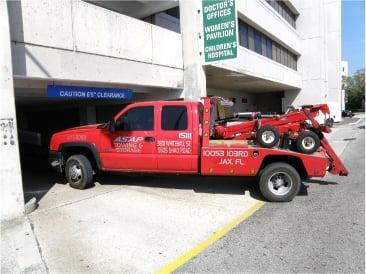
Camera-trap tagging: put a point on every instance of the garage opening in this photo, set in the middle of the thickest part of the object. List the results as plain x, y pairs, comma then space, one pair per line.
38, 118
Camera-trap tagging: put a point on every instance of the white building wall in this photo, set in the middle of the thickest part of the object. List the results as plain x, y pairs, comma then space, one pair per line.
319, 26
344, 66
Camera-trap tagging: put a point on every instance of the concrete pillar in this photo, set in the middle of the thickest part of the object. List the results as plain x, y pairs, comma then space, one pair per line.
12, 201
194, 74
88, 115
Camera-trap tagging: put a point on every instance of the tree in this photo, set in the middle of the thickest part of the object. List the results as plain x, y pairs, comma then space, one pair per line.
355, 90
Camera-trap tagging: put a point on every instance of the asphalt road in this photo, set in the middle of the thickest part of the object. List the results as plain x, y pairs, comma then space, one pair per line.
321, 230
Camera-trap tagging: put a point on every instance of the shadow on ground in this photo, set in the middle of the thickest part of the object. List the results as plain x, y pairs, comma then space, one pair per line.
200, 184
38, 179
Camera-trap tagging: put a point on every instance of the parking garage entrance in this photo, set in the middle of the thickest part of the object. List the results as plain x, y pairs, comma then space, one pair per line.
38, 118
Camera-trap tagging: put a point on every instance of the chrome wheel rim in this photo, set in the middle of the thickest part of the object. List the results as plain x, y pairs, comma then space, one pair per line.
75, 173
308, 143
268, 137
280, 183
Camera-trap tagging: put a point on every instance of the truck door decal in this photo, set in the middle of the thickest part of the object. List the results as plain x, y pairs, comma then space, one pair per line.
125, 144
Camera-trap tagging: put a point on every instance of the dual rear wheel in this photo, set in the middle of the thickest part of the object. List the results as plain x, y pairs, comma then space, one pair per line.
307, 142
279, 182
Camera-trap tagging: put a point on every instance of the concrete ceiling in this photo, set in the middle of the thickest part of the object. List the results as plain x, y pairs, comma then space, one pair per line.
138, 8
219, 78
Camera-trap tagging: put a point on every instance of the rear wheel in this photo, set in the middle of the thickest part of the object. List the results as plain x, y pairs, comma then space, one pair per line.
307, 142
267, 136
279, 182
79, 172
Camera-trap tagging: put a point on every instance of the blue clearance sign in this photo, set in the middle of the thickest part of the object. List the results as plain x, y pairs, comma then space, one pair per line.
74, 92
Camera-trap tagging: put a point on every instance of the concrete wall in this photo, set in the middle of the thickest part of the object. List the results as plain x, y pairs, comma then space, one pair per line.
260, 101
76, 40
11, 201
238, 106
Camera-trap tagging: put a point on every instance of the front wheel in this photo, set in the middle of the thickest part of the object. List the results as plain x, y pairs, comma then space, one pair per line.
79, 172
279, 182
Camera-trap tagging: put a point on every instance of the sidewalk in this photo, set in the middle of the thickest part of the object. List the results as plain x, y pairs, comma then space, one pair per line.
124, 224
19, 248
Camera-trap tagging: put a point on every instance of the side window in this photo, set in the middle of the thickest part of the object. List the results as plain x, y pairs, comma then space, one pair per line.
174, 118
138, 118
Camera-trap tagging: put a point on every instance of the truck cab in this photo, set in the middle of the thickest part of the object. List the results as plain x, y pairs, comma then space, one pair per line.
142, 137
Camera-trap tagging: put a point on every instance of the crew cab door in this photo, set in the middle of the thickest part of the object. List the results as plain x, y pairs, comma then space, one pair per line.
132, 146
174, 139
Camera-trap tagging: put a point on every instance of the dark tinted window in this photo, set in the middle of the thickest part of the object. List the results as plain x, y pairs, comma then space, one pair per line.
257, 42
284, 11
254, 40
174, 118
269, 49
138, 118
243, 34
251, 38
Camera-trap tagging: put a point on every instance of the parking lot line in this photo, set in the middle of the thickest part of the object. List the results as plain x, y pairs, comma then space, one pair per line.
205, 244
355, 123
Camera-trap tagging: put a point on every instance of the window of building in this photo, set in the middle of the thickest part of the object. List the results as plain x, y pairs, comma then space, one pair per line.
278, 57
138, 118
264, 45
243, 35
174, 118
269, 49
283, 10
173, 12
256, 41
283, 56
251, 38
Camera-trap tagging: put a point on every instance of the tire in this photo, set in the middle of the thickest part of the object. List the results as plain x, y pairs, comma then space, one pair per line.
279, 182
307, 142
267, 136
79, 172
329, 122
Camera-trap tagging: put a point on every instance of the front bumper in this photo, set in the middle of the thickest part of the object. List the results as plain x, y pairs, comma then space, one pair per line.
55, 160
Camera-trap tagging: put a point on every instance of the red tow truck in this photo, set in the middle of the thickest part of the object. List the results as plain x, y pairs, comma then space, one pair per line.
181, 137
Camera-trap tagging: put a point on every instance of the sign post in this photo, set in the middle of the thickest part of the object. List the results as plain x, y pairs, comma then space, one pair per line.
219, 30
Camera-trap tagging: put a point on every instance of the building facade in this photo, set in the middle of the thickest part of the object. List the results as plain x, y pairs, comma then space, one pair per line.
289, 54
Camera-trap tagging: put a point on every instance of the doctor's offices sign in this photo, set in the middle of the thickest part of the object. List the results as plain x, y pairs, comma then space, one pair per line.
219, 30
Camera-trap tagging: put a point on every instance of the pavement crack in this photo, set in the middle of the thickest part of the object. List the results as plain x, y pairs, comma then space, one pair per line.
38, 245
74, 202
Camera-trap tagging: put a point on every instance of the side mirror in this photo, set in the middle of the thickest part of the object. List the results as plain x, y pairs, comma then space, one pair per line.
112, 125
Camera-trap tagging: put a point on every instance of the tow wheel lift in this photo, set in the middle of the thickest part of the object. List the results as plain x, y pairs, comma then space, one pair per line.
297, 125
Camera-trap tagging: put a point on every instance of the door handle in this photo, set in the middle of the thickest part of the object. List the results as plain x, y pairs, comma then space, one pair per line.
149, 139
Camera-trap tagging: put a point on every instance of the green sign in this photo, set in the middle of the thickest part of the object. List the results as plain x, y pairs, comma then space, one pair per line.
219, 29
